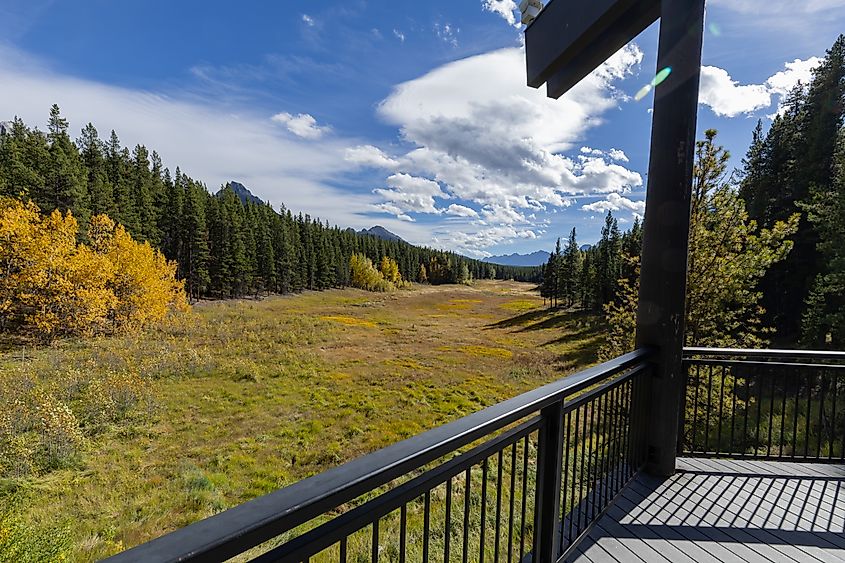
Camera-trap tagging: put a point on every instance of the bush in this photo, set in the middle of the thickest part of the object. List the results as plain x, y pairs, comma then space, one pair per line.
364, 275
54, 286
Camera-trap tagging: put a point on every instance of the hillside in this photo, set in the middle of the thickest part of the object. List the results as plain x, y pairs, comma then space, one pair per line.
537, 258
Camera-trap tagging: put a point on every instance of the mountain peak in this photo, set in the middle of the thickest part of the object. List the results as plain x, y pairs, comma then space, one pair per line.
380, 232
244, 194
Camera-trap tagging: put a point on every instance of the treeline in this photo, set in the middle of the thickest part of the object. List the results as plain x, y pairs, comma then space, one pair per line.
591, 278
767, 242
798, 166
224, 247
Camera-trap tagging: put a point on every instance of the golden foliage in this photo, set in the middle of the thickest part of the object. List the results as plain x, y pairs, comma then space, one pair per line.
52, 285
365, 276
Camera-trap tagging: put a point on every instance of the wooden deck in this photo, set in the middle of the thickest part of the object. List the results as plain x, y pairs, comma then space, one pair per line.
725, 511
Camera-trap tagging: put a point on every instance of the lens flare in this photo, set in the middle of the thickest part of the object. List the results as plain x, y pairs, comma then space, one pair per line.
661, 76
656, 81
715, 29
643, 92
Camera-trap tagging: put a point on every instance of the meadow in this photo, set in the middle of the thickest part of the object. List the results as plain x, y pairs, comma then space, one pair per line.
239, 398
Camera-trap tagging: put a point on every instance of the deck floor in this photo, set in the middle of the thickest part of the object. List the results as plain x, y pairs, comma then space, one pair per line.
728, 511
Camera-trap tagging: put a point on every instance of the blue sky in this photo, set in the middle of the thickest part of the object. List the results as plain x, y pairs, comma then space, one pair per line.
412, 115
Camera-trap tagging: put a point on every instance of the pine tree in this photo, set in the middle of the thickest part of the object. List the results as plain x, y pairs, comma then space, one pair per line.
65, 178
100, 191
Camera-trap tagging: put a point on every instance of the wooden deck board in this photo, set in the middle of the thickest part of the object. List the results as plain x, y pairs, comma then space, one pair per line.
725, 511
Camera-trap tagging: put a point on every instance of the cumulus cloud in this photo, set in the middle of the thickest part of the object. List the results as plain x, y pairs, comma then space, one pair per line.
308, 20
477, 130
461, 211
369, 156
408, 193
399, 35
615, 202
504, 8
302, 125
728, 98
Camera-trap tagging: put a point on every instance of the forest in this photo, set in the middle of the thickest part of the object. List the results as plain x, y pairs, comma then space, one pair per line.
224, 246
767, 240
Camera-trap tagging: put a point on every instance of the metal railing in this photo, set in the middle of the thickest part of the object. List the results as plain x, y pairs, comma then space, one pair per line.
783, 405
541, 468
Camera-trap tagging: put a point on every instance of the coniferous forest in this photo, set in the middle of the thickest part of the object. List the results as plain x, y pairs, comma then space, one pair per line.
224, 246
767, 242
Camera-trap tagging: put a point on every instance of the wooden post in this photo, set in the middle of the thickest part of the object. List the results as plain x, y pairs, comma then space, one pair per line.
660, 316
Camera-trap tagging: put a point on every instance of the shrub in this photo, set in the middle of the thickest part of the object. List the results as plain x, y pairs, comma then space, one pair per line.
52, 285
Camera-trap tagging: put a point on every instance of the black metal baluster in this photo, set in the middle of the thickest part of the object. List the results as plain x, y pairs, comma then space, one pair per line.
721, 413
468, 479
426, 525
524, 498
512, 500
771, 415
584, 454
604, 450
822, 387
807, 418
574, 473
374, 558
709, 407
447, 535
597, 407
498, 509
483, 510
403, 531
592, 407
733, 446
342, 558
783, 414
795, 415
759, 414
745, 422
567, 421
835, 383
694, 428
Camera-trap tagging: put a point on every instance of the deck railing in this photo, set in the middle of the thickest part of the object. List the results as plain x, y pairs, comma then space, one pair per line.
523, 480
784, 405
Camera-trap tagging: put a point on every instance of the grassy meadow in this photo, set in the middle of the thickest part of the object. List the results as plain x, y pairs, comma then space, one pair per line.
240, 398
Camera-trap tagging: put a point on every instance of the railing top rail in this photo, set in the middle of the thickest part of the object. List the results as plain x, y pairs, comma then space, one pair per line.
233, 531
772, 354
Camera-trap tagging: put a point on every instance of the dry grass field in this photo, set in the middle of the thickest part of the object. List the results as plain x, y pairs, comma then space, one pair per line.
244, 397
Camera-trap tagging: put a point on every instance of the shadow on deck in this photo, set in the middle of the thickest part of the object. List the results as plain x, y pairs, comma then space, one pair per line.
720, 510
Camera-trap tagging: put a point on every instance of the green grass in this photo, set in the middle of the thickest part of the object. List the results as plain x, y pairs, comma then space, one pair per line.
246, 397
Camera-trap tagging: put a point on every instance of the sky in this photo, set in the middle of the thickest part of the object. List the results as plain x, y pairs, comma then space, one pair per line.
411, 115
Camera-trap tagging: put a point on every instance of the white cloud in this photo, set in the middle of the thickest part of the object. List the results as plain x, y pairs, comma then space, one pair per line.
399, 35
408, 193
210, 142
728, 98
308, 20
487, 140
302, 125
461, 211
796, 71
369, 156
617, 154
615, 202
504, 8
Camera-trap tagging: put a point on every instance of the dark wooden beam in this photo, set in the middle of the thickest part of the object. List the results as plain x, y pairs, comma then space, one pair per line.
662, 298
630, 24
573, 37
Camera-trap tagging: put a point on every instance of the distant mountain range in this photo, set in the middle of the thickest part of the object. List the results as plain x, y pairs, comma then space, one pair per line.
534, 259
380, 232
